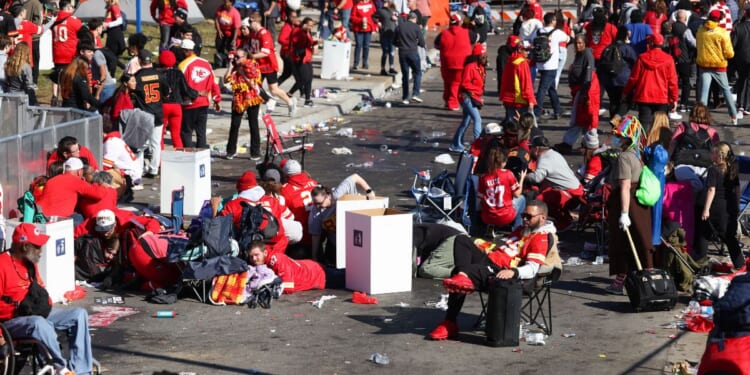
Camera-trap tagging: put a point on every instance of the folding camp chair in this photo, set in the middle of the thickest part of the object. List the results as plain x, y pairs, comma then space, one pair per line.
743, 219
447, 193
275, 147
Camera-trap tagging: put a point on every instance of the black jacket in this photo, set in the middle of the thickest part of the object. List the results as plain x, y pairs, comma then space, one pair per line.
408, 38
177, 87
741, 42
80, 95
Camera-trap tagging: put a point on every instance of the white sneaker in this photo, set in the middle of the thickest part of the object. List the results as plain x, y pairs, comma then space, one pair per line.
293, 107
137, 187
405, 102
734, 120
416, 99
602, 111
675, 116
270, 105
740, 115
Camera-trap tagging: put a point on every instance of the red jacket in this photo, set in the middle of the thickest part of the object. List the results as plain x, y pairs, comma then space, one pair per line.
652, 73
302, 39
363, 10
165, 15
200, 77
121, 101
516, 86
90, 207
276, 245
62, 192
124, 220
455, 47
599, 40
65, 38
262, 42
472, 80
13, 285
531, 248
285, 39
84, 153
297, 275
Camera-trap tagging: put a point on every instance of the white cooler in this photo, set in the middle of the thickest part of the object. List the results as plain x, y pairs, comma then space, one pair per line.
379, 250
57, 265
335, 64
191, 169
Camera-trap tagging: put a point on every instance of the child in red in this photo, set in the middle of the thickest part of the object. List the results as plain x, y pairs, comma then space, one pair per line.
500, 192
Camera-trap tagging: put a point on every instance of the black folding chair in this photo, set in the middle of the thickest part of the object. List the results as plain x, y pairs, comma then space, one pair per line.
447, 192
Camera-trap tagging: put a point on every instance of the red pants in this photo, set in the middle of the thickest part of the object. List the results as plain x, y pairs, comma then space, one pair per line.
451, 83
173, 120
158, 272
559, 203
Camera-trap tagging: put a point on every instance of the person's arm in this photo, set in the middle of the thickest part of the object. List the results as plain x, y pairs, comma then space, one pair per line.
625, 194
217, 16
689, 38
537, 176
152, 9
519, 189
726, 46
362, 184
183, 87
710, 194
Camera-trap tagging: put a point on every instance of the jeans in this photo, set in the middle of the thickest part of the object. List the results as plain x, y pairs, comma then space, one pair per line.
363, 47
510, 112
194, 120
646, 113
470, 113
386, 44
234, 128
74, 320
519, 204
561, 64
345, 15
164, 36
326, 22
410, 61
706, 76
547, 86
154, 143
107, 92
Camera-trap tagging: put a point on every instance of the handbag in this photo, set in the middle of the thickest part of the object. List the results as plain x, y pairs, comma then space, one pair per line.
649, 188
36, 301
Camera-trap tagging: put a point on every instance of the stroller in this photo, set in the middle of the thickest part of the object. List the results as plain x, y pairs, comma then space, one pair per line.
677, 262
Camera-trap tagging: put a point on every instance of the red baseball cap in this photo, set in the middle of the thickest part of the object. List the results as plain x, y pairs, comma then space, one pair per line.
514, 41
479, 49
715, 15
247, 181
26, 232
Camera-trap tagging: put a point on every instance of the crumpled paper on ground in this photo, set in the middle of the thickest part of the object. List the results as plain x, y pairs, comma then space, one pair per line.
341, 151
320, 301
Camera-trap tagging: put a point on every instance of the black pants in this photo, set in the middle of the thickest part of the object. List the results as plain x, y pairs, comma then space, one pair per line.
35, 56
223, 44
683, 76
288, 69
303, 79
721, 222
194, 120
234, 128
743, 87
116, 41
646, 113
475, 264
616, 104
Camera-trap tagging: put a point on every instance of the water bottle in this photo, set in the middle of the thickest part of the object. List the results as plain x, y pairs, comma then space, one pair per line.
707, 310
694, 307
364, 23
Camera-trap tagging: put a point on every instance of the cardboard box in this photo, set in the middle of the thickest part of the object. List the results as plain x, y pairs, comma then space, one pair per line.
191, 169
379, 250
57, 264
335, 63
347, 203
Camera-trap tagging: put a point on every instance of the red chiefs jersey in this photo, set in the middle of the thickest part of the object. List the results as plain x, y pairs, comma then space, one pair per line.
26, 30
234, 208
124, 220
296, 192
496, 192
200, 77
519, 249
228, 20
14, 283
297, 275
65, 38
262, 42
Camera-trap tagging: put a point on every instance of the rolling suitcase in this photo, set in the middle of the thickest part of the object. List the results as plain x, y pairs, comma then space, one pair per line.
503, 312
649, 290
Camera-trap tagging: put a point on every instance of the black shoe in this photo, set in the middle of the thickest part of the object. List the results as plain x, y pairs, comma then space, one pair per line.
309, 103
255, 157
150, 175
365, 67
392, 71
354, 68
383, 72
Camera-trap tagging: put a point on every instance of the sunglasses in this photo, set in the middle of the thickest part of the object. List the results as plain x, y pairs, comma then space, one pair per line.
526, 216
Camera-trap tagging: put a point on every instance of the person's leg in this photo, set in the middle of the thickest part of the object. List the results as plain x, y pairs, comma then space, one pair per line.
186, 130
445, 75
458, 139
476, 118
273, 86
164, 36
560, 65
75, 321
646, 115
403, 61
704, 80
41, 329
416, 69
307, 75
346, 15
287, 72
155, 144
683, 76
297, 78
234, 129
35, 57
455, 83
742, 88
252, 115
546, 80
385, 47
366, 38
723, 83
201, 119
175, 124
359, 42
519, 205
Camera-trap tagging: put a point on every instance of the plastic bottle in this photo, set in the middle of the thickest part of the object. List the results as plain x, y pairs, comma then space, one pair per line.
694, 307
380, 359
707, 310
165, 314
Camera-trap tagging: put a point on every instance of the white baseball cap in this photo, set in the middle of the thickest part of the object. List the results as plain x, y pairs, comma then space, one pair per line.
73, 164
105, 221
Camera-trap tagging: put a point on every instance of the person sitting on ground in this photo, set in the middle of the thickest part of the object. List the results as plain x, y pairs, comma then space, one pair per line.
520, 257
113, 223
89, 207
68, 147
117, 155
96, 260
296, 275
296, 191
322, 217
252, 194
592, 161
62, 193
272, 185
500, 193
560, 189
19, 272
491, 137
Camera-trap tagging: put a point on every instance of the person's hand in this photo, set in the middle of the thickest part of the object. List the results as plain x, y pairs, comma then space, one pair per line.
335, 10
531, 107
523, 174
705, 215
624, 220
217, 107
674, 107
370, 195
517, 115
506, 274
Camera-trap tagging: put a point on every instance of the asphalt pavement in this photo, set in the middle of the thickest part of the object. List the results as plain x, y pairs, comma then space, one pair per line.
593, 332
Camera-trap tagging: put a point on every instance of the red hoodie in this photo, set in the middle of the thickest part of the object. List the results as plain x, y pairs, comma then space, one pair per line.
472, 80
652, 73
285, 39
516, 86
363, 10
455, 47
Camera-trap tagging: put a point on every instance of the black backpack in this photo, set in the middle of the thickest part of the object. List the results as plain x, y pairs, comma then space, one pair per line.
542, 50
252, 226
693, 148
611, 61
36, 301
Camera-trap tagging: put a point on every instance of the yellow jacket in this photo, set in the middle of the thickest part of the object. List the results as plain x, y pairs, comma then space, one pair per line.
714, 46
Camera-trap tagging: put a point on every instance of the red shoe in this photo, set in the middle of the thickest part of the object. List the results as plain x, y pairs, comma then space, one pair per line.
458, 283
362, 299
446, 330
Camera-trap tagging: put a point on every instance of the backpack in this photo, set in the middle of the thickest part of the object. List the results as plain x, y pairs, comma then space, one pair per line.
542, 51
693, 148
124, 25
36, 301
88, 257
252, 226
611, 61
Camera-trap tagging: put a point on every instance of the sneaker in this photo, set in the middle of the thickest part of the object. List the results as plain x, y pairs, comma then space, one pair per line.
458, 283
405, 102
675, 116
255, 157
309, 103
383, 72
734, 120
270, 105
293, 107
740, 115
365, 67
416, 99
445, 330
137, 187
354, 68
150, 175
392, 71
745, 112
602, 111
615, 289
455, 149
683, 108
231, 156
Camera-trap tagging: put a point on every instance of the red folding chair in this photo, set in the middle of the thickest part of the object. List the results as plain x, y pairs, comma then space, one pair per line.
275, 146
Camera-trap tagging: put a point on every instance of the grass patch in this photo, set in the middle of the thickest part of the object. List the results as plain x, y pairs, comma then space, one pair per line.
206, 29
